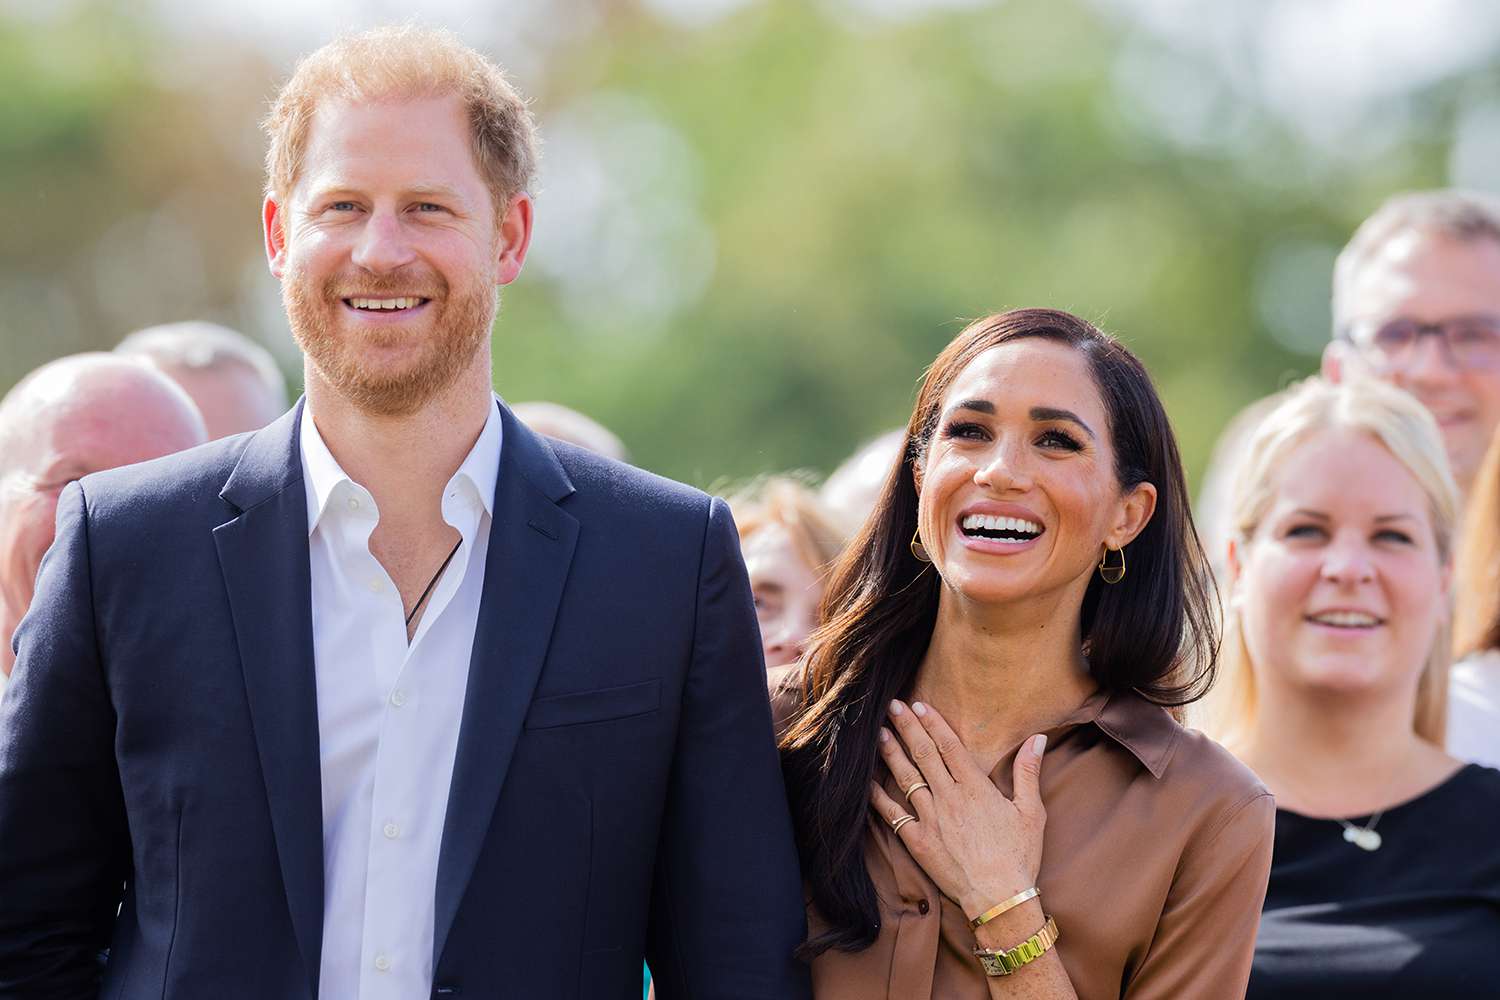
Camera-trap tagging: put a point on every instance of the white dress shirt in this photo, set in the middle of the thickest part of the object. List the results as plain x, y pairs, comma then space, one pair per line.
388, 720
1474, 709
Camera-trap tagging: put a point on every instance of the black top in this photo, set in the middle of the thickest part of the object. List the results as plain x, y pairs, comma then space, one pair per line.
1417, 918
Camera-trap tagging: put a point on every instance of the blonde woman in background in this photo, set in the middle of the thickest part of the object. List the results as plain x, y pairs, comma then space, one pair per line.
1385, 880
788, 540
1474, 688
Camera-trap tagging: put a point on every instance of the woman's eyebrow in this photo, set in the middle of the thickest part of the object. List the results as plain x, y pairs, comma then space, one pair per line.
1052, 413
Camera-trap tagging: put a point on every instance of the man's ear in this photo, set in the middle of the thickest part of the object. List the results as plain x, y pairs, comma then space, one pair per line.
1335, 361
515, 238
274, 227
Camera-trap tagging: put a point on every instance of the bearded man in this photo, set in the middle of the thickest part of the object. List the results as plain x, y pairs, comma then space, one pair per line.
393, 698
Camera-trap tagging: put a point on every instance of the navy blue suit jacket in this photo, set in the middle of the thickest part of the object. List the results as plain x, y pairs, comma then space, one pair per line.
616, 791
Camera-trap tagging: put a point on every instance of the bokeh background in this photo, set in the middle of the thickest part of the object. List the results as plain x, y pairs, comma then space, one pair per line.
759, 219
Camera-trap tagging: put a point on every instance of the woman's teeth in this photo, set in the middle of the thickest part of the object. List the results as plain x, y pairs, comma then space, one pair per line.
1000, 529
1345, 619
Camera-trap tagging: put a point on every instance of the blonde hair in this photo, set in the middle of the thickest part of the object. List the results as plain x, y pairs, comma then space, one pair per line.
405, 62
784, 501
1476, 611
1405, 428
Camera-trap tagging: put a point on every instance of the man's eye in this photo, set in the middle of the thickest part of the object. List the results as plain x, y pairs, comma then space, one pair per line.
428, 206
341, 206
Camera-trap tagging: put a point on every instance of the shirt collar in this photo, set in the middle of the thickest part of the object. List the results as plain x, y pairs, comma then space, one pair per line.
1143, 728
322, 475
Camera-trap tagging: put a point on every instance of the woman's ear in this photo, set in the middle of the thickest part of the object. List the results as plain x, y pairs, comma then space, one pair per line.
1136, 508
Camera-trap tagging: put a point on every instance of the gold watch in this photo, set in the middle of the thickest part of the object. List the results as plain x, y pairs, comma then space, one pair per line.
1003, 963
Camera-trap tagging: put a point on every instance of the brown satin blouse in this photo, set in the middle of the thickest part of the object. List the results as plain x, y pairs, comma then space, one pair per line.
1154, 863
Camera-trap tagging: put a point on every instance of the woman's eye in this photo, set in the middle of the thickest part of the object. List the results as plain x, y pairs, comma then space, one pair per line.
1304, 531
962, 429
1392, 535
1059, 439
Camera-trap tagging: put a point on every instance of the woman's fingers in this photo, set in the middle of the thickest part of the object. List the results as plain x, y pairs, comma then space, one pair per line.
895, 814
918, 792
1027, 776
919, 746
955, 755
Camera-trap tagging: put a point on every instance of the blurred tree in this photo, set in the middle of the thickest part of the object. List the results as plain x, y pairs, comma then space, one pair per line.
755, 229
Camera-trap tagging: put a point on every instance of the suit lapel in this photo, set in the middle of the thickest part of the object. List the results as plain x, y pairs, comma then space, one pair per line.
530, 550
263, 554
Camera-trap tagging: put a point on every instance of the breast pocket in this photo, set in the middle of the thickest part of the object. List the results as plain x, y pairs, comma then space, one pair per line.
599, 705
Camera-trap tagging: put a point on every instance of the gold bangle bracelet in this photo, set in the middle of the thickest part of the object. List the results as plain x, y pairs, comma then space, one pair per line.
1009, 904
1003, 963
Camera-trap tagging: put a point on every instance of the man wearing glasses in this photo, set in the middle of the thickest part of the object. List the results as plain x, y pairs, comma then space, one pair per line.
1416, 301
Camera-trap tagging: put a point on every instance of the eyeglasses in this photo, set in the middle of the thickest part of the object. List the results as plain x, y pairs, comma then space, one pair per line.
1469, 341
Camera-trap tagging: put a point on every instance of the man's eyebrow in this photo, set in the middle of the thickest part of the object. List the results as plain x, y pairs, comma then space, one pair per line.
1053, 413
433, 191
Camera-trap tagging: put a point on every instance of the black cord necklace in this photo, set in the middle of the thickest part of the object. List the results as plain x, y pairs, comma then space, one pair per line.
433, 582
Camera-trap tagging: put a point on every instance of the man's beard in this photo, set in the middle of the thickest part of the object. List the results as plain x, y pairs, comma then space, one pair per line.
457, 333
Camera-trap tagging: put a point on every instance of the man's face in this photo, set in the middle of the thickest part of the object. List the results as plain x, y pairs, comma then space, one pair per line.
390, 252
1433, 278
98, 427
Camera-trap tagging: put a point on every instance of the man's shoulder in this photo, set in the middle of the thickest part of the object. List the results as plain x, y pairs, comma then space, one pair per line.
611, 486
182, 479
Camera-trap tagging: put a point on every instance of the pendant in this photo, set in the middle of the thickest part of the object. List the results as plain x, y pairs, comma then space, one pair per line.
1362, 838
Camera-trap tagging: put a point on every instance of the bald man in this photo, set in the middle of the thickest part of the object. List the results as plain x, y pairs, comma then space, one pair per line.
73, 416
233, 380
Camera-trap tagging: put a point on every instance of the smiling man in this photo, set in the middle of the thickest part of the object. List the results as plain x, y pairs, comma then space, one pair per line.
393, 698
1416, 301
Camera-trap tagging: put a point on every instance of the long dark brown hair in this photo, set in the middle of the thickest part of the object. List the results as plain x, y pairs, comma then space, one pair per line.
1157, 633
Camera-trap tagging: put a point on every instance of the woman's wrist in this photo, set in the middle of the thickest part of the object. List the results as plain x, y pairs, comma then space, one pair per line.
1012, 927
978, 899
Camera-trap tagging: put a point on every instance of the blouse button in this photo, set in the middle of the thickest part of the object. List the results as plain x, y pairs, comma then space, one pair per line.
923, 906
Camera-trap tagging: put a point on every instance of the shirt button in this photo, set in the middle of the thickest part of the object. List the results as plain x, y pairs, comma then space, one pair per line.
398, 697
354, 503
382, 963
923, 906
375, 585
391, 831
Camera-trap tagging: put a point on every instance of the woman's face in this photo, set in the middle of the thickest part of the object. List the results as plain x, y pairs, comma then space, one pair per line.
1017, 493
1341, 588
787, 593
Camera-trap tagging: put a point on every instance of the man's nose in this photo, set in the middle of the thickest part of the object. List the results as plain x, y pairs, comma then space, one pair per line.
1429, 363
383, 244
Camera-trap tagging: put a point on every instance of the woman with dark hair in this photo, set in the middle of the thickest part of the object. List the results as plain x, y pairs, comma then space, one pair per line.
1030, 579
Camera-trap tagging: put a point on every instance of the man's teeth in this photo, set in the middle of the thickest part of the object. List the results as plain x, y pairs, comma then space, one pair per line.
401, 303
1346, 619
1020, 529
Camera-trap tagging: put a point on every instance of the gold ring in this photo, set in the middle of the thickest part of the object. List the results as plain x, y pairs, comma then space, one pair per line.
902, 821
913, 787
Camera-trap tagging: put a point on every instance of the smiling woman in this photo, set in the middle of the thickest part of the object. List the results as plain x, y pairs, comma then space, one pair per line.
1029, 581
1385, 881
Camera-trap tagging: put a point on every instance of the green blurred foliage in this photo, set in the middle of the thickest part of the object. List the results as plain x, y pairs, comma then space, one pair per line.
869, 187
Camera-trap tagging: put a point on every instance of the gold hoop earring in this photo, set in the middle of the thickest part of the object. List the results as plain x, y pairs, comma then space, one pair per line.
918, 550
1112, 574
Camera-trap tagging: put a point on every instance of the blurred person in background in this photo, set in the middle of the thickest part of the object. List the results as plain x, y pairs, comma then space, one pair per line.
71, 417
1211, 510
393, 698
554, 420
851, 490
1029, 581
789, 541
1416, 302
1474, 685
235, 382
1385, 880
